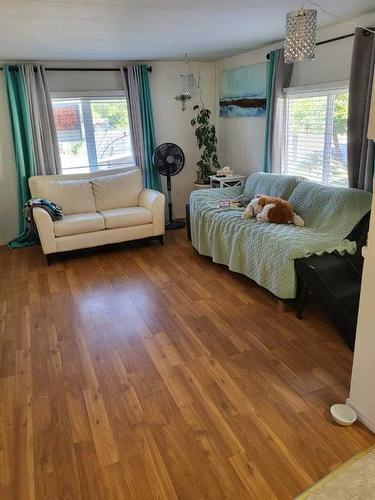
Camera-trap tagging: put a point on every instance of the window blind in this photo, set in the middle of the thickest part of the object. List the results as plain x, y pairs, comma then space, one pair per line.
315, 135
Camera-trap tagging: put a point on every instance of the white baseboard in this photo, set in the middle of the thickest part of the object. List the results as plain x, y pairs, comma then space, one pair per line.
363, 417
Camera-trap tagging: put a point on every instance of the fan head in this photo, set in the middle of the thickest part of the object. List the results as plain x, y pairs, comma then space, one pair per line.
168, 159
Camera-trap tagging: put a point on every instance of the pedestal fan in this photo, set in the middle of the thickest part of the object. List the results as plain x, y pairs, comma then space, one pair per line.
169, 159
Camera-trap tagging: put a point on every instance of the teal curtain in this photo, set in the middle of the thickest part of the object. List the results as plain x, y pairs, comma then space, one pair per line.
270, 70
22, 143
152, 178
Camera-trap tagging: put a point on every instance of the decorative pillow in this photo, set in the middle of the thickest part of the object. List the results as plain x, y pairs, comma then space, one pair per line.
73, 196
117, 190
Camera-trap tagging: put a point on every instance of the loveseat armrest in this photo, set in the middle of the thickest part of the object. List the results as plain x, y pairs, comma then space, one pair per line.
46, 234
154, 201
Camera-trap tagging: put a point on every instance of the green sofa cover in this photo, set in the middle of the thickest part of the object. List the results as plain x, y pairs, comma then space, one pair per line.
266, 252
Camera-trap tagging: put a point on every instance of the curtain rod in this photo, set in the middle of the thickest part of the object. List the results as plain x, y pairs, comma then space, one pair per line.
336, 39
14, 68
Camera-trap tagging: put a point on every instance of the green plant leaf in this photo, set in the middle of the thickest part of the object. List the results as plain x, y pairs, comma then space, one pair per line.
205, 134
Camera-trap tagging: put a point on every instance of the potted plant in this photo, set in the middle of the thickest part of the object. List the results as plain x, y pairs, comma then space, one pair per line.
205, 133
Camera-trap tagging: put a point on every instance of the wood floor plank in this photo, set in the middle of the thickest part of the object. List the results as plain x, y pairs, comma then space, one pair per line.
157, 471
64, 477
105, 445
24, 448
78, 416
114, 479
146, 372
7, 450
90, 475
251, 478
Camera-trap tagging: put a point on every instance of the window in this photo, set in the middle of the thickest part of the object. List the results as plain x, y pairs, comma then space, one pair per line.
315, 141
93, 133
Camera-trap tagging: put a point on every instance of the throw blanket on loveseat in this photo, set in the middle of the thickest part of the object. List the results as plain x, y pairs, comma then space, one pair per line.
54, 211
265, 252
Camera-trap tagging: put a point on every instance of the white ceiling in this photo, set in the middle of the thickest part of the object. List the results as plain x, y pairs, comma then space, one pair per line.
148, 29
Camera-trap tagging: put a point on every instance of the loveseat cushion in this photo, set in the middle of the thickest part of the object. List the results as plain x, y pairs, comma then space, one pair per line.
126, 217
271, 185
118, 190
73, 196
78, 224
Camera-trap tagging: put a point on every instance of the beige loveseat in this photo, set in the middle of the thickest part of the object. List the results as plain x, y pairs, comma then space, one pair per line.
99, 208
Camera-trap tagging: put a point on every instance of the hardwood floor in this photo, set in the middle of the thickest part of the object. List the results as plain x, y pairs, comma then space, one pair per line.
143, 372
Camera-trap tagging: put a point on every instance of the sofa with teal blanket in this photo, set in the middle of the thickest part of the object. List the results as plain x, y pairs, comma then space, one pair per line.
266, 252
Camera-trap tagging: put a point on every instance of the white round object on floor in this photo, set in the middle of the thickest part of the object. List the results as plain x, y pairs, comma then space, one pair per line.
343, 414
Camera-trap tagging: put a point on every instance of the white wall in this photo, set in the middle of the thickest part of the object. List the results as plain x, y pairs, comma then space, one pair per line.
241, 140
171, 124
362, 391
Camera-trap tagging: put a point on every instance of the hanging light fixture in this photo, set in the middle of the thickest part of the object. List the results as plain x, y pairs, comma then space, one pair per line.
300, 39
187, 85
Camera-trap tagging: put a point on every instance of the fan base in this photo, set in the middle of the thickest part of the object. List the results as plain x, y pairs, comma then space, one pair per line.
175, 224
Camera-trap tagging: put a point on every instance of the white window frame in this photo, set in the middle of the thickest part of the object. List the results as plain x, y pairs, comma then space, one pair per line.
330, 88
99, 94
317, 88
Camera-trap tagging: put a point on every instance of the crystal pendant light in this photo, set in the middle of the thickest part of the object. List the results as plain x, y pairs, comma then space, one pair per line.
187, 84
300, 39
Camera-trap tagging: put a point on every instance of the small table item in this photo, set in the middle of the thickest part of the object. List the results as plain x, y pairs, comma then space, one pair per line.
227, 181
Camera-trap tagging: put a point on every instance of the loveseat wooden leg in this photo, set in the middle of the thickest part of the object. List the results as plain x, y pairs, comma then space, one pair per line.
47, 260
161, 239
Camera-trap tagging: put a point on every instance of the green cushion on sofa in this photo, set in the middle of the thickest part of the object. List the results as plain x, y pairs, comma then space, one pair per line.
328, 208
271, 185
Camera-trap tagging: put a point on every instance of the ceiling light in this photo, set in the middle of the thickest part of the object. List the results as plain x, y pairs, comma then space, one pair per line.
300, 39
187, 85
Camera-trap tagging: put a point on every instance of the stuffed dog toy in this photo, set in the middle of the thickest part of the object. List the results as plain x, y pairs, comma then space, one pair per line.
272, 209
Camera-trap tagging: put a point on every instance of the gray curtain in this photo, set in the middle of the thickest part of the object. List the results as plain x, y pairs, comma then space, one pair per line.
279, 77
46, 147
131, 85
360, 149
